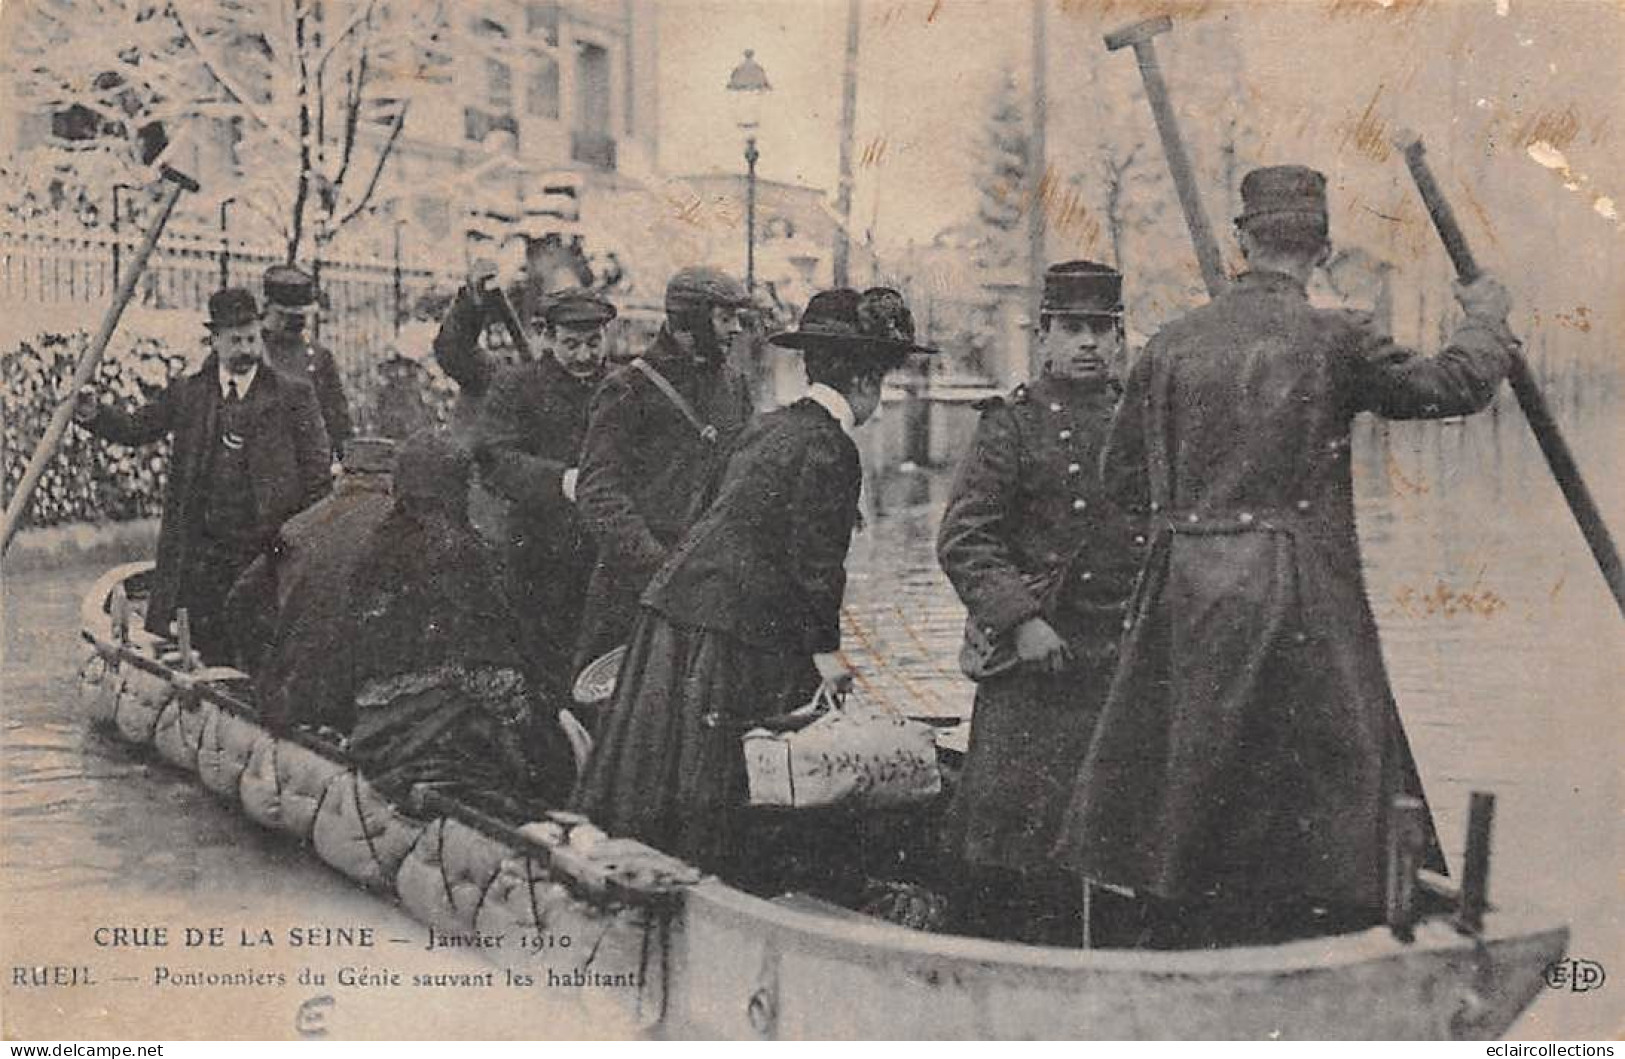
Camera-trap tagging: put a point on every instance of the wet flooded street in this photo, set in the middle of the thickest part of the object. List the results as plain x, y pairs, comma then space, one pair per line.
1502, 644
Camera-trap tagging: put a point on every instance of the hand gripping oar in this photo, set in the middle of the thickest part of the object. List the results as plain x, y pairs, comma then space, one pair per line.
1558, 456
510, 320
17, 506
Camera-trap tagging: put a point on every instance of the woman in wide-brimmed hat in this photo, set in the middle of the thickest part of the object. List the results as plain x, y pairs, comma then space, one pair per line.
743, 621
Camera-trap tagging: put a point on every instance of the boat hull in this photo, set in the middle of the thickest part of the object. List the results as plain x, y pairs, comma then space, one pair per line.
664, 952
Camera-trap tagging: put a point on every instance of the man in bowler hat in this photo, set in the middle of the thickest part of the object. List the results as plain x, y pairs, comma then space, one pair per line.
528, 444
291, 301
1044, 562
1244, 763
249, 450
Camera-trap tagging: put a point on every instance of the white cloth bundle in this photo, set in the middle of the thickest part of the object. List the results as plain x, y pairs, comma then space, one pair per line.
852, 754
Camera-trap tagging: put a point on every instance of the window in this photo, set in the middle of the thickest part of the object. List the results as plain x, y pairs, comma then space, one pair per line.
592, 90
542, 89
499, 86
478, 124
543, 18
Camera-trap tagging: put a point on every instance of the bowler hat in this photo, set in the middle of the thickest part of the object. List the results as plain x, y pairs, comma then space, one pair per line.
231, 307
290, 287
874, 321
1288, 191
702, 287
577, 308
1082, 288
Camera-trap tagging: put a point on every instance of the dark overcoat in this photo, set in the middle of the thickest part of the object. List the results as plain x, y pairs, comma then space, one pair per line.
289, 461
766, 562
457, 351
528, 436
1250, 742
646, 475
1027, 511
297, 356
728, 629
292, 611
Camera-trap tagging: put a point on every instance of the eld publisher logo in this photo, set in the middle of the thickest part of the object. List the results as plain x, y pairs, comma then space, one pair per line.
1577, 976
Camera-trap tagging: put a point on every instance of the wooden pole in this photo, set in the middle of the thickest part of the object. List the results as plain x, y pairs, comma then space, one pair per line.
183, 636
842, 259
510, 320
1407, 824
1475, 871
1037, 160
1559, 458
45, 451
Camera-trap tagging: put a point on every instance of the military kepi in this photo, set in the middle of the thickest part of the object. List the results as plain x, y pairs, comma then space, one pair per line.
1082, 288
231, 307
290, 287
1283, 191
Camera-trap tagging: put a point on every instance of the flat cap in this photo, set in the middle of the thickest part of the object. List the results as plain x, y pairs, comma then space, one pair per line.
369, 455
577, 308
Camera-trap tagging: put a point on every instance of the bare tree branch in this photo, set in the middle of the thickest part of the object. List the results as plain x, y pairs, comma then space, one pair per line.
352, 115
214, 69
332, 47
384, 152
296, 235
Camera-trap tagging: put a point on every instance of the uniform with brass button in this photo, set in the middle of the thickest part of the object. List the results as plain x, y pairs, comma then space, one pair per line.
291, 298
1044, 564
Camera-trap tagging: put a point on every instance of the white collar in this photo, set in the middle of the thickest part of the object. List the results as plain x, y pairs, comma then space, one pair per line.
835, 403
243, 382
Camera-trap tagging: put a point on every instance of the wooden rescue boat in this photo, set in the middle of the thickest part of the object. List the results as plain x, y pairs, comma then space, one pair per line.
664, 950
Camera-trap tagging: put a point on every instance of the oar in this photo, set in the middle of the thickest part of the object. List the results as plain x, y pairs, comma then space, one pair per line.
1558, 456
510, 319
45, 451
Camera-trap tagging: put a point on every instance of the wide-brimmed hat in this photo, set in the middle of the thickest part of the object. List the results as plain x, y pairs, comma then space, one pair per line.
290, 287
873, 321
1284, 191
231, 307
1082, 288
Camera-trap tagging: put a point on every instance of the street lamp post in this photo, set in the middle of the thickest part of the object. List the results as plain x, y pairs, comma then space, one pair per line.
118, 236
225, 245
748, 84
751, 155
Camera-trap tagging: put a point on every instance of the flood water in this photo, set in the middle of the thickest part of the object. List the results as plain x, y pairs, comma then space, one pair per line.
1502, 644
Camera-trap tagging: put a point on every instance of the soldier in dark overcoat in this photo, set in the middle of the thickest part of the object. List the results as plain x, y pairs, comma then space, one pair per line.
1250, 746
290, 303
248, 452
528, 444
1044, 562
659, 433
